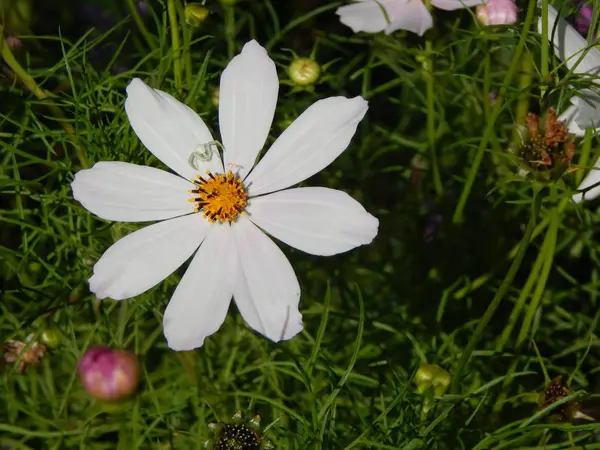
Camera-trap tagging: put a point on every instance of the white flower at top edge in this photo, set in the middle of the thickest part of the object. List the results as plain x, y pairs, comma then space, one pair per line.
374, 16
584, 112
218, 209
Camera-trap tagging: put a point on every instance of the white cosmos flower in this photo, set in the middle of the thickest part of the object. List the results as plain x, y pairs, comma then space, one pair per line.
233, 256
584, 111
373, 16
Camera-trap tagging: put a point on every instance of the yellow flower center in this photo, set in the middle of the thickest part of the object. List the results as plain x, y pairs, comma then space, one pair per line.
222, 197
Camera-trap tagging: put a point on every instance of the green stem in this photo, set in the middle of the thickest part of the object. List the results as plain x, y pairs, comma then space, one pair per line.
489, 131
40, 93
175, 42
428, 73
140, 24
544, 49
548, 251
584, 156
525, 79
186, 56
230, 30
504, 287
520, 304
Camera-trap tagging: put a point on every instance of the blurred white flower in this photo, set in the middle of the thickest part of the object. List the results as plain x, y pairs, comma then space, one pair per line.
388, 16
584, 112
219, 211
497, 12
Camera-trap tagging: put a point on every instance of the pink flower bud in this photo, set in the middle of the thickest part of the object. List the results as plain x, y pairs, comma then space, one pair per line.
497, 12
109, 374
584, 18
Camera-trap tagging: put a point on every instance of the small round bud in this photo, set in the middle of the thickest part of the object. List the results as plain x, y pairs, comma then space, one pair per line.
441, 382
431, 376
195, 14
51, 336
142, 7
584, 18
13, 42
497, 12
304, 71
109, 374
214, 96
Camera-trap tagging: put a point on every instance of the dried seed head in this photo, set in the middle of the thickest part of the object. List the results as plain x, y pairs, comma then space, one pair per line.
546, 150
554, 392
237, 434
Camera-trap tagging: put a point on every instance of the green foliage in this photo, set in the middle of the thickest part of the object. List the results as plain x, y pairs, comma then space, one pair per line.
450, 228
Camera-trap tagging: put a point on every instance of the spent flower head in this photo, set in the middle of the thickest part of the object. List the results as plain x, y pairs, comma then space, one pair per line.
216, 209
25, 353
546, 148
237, 434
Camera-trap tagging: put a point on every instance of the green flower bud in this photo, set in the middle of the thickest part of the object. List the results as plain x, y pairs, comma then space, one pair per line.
441, 382
195, 14
51, 336
430, 376
304, 71
214, 96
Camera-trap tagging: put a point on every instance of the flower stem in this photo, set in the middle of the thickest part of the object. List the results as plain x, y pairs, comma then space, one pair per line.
525, 79
504, 287
544, 49
40, 93
428, 73
140, 24
489, 131
186, 55
230, 30
175, 42
547, 251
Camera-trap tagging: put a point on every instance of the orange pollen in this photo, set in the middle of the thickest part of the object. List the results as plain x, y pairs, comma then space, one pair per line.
222, 197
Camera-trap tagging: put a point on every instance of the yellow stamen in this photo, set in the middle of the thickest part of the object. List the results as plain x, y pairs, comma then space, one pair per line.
222, 197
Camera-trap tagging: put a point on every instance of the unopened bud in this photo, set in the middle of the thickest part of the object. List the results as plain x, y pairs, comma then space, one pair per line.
584, 19
304, 71
51, 336
109, 374
195, 14
214, 96
497, 12
431, 376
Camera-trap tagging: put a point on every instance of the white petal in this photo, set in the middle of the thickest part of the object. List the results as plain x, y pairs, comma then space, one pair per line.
587, 103
411, 15
591, 179
450, 5
169, 129
568, 116
130, 193
308, 145
248, 95
315, 220
570, 45
267, 292
145, 257
200, 302
366, 15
